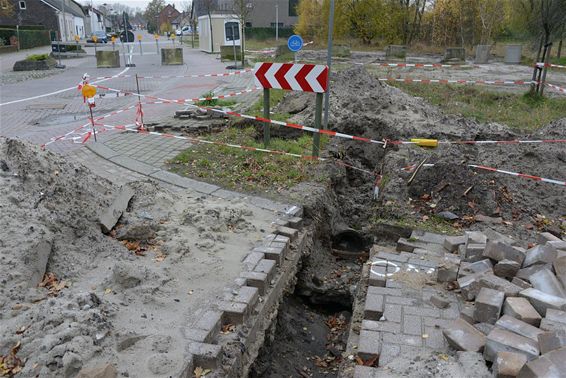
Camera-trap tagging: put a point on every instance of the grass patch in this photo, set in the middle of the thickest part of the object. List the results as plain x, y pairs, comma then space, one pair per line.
275, 97
243, 170
561, 61
37, 57
519, 111
215, 102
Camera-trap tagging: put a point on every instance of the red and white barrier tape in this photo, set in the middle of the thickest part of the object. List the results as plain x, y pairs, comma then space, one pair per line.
329, 132
240, 72
550, 65
423, 65
454, 81
160, 100
556, 87
410, 168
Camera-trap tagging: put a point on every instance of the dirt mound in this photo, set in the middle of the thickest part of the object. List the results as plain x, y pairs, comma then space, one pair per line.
361, 105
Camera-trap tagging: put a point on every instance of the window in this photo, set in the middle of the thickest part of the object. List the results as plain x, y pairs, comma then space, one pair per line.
232, 26
248, 24
22, 5
293, 8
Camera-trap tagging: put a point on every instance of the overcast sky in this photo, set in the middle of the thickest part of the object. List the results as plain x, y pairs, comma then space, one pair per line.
132, 3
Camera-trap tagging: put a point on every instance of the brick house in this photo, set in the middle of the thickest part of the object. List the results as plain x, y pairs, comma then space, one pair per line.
168, 14
263, 13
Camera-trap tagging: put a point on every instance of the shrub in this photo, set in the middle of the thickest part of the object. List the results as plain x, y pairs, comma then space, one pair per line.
37, 57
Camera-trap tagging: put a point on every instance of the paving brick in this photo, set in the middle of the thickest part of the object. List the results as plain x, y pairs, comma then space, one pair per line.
542, 301
467, 313
560, 269
552, 364
549, 341
385, 291
377, 276
271, 253
470, 285
392, 313
521, 308
399, 338
474, 252
207, 356
210, 321
556, 315
252, 259
388, 353
499, 251
451, 243
369, 345
403, 245
540, 254
383, 326
550, 325
439, 301
412, 325
481, 266
447, 272
488, 305
525, 273
392, 257
519, 327
500, 340
506, 268
361, 371
544, 237
198, 335
289, 232
484, 328
248, 295
256, 279
279, 244
434, 338
452, 312
521, 283
295, 222
373, 307
400, 300
266, 266
475, 237
428, 237
497, 283
462, 336
422, 311
233, 312
545, 281
508, 364
559, 245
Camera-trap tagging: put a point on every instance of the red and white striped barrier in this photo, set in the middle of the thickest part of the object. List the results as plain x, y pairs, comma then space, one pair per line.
556, 87
455, 81
423, 65
411, 168
550, 65
233, 73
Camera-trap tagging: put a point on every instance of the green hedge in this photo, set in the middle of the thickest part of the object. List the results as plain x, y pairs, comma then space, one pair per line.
28, 38
24, 27
267, 33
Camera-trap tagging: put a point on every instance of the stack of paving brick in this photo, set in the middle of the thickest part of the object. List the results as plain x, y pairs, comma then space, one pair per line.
261, 282
515, 313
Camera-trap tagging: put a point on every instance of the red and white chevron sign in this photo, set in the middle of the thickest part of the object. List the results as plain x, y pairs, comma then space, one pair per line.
292, 77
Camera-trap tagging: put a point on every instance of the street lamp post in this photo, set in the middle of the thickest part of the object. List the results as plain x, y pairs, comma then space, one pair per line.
277, 22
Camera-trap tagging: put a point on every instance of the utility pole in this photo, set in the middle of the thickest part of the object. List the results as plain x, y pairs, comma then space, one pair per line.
328, 63
277, 22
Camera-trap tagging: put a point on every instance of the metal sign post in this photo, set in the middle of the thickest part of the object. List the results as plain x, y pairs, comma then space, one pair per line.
156, 36
329, 63
266, 115
139, 40
95, 40
317, 121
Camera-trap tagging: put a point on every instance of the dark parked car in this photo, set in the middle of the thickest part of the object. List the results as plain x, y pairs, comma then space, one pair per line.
100, 35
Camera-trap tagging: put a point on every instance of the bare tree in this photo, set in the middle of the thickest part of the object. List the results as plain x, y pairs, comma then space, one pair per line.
208, 6
490, 15
243, 9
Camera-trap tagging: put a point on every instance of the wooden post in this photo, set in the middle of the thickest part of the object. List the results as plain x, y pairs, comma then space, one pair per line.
547, 49
317, 124
266, 115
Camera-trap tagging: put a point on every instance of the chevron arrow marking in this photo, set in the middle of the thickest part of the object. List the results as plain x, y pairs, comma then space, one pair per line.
288, 76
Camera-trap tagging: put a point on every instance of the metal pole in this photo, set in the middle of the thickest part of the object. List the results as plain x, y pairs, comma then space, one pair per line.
277, 22
18, 36
266, 115
328, 63
139, 99
141, 51
545, 68
77, 48
234, 47
92, 122
317, 119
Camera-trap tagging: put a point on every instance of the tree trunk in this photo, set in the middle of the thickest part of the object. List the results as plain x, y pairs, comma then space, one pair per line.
211, 36
242, 43
559, 49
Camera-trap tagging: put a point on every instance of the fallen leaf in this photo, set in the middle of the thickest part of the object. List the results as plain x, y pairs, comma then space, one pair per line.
228, 328
443, 356
21, 330
108, 291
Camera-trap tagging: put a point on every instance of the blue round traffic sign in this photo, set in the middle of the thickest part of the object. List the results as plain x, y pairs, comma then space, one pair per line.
295, 43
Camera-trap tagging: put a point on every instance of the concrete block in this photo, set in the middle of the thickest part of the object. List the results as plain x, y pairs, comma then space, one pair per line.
233, 312
451, 243
521, 308
396, 52
549, 325
291, 233
540, 254
545, 281
475, 237
252, 259
454, 55
500, 340
373, 308
508, 364
266, 266
467, 313
499, 237
499, 251
470, 285
207, 356
521, 283
172, 56
482, 54
369, 345
107, 59
542, 301
519, 327
484, 328
428, 237
256, 279
447, 271
550, 365
544, 237
560, 269
526, 273
556, 315
549, 341
482, 266
488, 305
110, 216
506, 268
463, 336
474, 252
497, 283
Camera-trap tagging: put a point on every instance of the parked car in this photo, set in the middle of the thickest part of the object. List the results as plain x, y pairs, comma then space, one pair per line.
100, 37
185, 30
111, 34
